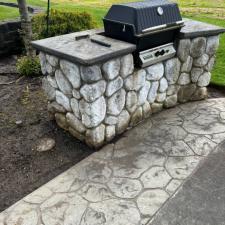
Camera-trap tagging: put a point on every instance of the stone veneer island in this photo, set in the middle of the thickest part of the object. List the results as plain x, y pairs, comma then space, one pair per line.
96, 93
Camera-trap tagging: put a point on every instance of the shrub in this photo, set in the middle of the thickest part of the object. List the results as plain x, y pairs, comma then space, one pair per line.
28, 66
61, 22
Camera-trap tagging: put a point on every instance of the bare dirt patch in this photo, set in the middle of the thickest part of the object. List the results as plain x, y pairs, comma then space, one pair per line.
22, 168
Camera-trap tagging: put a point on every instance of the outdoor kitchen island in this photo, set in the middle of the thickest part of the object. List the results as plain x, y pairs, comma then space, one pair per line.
96, 91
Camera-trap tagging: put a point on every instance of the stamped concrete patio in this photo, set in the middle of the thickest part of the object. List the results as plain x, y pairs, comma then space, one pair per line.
131, 181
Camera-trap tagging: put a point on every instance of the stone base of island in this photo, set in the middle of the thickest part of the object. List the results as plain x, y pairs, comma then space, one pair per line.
96, 93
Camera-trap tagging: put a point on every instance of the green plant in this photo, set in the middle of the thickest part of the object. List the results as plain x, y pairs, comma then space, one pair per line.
61, 22
27, 66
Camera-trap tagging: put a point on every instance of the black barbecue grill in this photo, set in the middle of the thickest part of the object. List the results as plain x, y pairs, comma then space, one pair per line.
150, 25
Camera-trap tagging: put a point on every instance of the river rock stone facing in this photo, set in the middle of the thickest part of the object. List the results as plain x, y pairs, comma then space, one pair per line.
98, 102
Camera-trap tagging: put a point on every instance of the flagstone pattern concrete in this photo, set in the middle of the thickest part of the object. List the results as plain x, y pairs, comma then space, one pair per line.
127, 182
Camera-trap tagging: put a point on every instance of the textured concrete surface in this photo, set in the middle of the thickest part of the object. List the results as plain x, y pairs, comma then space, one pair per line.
201, 201
127, 183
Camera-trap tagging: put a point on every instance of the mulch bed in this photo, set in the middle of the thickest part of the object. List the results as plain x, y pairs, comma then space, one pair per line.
22, 168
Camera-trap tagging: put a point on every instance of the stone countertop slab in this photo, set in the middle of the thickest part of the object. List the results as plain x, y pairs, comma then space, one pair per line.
195, 28
84, 50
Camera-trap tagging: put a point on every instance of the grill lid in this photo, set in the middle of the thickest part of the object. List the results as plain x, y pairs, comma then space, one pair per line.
145, 16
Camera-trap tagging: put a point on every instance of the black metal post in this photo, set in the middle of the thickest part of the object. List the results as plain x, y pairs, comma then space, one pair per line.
47, 18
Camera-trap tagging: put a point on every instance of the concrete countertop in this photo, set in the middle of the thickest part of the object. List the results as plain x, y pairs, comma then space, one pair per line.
195, 28
86, 50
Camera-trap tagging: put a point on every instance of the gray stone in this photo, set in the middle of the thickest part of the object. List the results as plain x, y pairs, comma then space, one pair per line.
187, 65
183, 49
163, 85
91, 92
125, 187
153, 91
95, 137
63, 100
54, 107
184, 79
63, 83
172, 70
170, 101
72, 73
116, 102
200, 94
92, 114
135, 81
160, 97
131, 101
146, 109
155, 177
76, 94
210, 64
91, 74
111, 69
172, 89
48, 89
185, 92
195, 74
110, 132
111, 120
123, 122
43, 59
143, 93
75, 107
198, 47
127, 65
76, 134
201, 61
75, 123
204, 79
136, 117
114, 86
212, 45
50, 70
150, 201
155, 72
61, 120
156, 107
45, 144
52, 81
52, 60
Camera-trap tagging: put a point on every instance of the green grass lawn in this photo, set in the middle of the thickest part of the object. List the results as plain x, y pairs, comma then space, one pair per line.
8, 12
204, 10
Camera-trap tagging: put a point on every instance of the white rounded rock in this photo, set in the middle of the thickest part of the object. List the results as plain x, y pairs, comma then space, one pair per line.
116, 102
131, 101
63, 83
163, 85
63, 100
143, 93
92, 114
72, 73
172, 70
204, 79
184, 79
195, 74
183, 49
48, 89
75, 123
91, 92
212, 45
91, 74
155, 72
198, 47
153, 91
52, 60
113, 86
75, 107
127, 65
111, 69
187, 65
201, 61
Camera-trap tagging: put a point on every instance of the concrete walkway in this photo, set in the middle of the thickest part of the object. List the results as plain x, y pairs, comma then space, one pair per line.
127, 183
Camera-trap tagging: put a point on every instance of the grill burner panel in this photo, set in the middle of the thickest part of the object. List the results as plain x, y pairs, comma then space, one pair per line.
156, 55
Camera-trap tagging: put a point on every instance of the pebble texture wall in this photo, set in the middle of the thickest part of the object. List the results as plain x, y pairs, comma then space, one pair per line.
98, 102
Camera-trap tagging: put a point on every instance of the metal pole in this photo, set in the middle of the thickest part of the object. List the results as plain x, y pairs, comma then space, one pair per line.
47, 18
